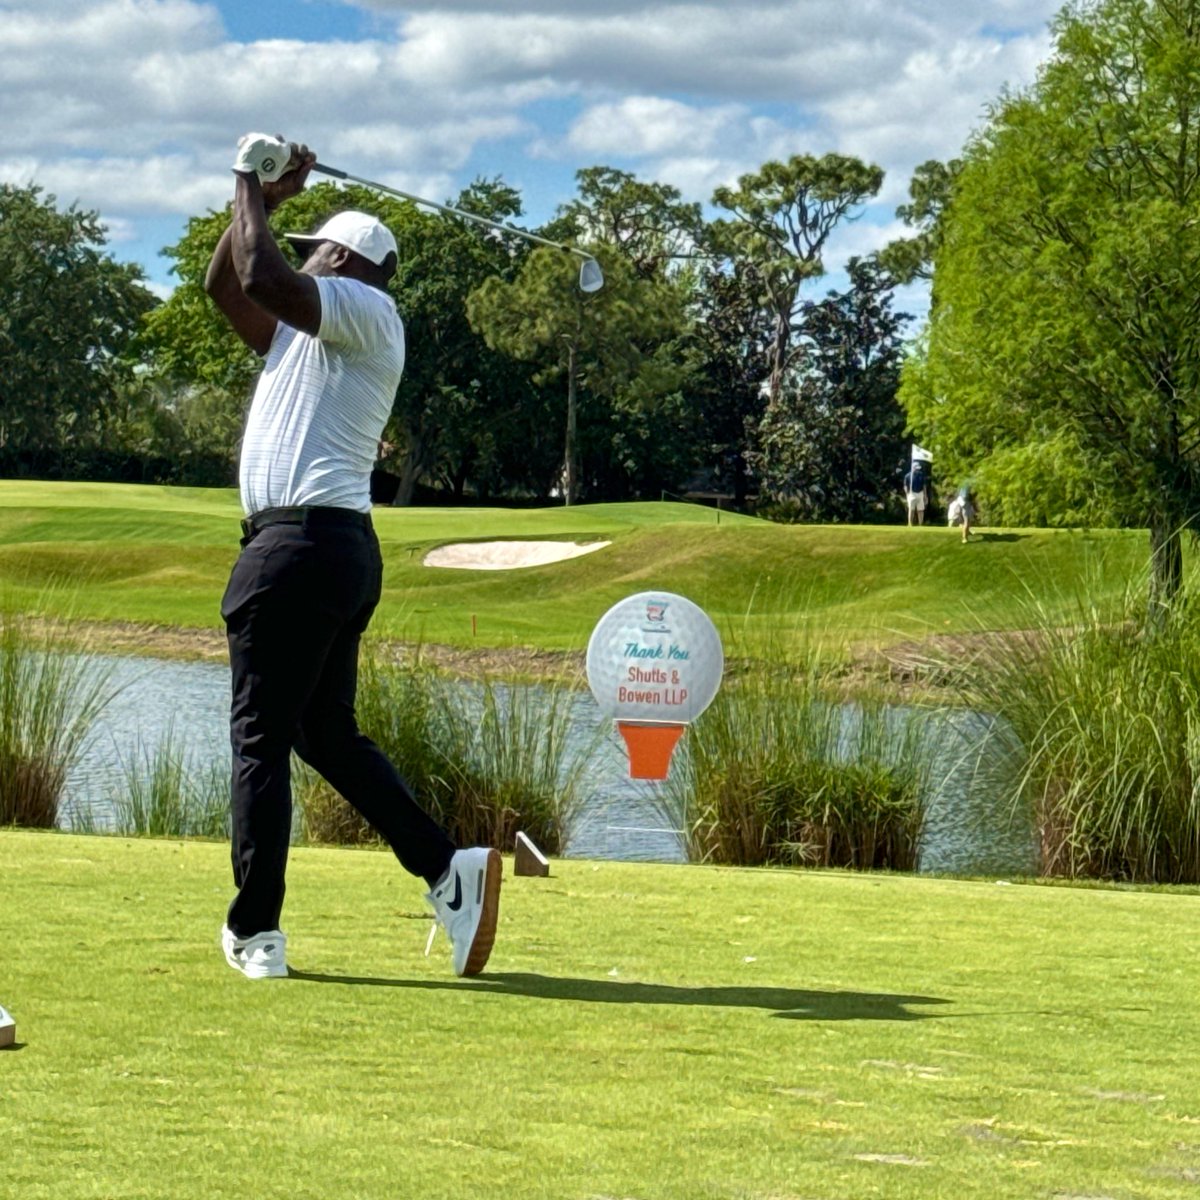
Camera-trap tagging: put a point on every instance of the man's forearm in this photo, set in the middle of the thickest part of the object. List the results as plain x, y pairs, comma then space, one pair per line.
221, 276
266, 277
257, 259
251, 323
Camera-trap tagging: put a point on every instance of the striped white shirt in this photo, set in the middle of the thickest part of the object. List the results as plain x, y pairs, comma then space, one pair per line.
312, 435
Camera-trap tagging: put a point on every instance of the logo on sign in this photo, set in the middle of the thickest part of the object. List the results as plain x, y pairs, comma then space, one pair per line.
656, 616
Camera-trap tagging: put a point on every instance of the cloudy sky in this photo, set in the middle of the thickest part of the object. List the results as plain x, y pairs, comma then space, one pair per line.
133, 107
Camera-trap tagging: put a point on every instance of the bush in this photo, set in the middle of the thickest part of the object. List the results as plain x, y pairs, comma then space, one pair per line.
395, 707
484, 759
49, 702
1106, 717
775, 772
165, 795
507, 764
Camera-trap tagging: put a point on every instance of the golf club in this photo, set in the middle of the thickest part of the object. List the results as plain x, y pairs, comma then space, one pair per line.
591, 278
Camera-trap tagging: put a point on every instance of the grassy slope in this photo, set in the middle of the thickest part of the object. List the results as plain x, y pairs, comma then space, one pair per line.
678, 1033
161, 555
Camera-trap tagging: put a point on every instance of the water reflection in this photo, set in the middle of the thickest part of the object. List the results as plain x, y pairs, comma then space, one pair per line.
968, 829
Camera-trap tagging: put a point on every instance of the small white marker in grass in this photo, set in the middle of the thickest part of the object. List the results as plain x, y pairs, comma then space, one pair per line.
8, 1029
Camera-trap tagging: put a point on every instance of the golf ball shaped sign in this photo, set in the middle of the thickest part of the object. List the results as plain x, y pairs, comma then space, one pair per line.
655, 656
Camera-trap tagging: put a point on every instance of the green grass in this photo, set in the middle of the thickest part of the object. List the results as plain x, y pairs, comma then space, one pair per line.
676, 1033
161, 556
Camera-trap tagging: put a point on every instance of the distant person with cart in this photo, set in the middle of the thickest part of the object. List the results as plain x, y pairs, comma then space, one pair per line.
962, 510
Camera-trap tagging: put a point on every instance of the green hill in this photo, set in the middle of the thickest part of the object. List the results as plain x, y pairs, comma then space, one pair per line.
160, 556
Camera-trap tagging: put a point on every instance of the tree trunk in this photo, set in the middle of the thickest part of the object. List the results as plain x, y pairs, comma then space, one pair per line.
571, 485
410, 472
780, 342
1166, 567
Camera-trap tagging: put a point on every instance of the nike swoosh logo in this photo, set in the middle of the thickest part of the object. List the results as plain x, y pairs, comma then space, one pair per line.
455, 904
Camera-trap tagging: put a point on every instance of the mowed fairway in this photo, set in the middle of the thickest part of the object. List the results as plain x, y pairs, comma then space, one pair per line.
160, 556
642, 1031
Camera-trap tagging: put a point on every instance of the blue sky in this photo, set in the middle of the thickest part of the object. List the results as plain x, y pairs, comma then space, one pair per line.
133, 107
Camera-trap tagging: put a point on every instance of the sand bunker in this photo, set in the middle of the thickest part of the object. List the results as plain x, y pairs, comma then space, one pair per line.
505, 556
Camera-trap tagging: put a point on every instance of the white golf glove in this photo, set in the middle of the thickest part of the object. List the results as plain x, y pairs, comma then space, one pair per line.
266, 156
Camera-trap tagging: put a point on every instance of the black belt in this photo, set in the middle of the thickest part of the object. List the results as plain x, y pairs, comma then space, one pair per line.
311, 517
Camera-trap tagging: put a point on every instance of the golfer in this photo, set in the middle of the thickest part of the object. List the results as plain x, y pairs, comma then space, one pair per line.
916, 494
309, 575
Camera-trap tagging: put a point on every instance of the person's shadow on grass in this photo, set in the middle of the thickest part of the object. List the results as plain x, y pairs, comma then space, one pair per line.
792, 1003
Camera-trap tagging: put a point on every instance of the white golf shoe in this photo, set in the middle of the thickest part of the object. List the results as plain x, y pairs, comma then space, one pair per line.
466, 902
261, 956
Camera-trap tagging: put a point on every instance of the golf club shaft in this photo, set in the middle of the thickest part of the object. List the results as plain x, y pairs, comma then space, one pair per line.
457, 212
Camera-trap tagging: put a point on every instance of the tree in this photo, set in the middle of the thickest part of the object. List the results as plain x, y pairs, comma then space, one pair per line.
456, 396
463, 410
68, 325
594, 343
649, 223
187, 337
833, 445
929, 191
1068, 313
784, 214
730, 343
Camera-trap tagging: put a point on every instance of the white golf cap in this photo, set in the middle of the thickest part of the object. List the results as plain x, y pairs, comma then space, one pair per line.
357, 231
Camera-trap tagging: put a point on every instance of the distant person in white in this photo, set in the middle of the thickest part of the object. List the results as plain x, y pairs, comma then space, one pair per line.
309, 576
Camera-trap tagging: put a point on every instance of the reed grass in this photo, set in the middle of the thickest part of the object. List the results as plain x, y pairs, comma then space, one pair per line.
778, 771
509, 764
485, 759
1104, 717
49, 702
168, 794
395, 707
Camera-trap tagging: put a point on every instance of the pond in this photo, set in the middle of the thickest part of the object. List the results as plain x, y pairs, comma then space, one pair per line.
967, 828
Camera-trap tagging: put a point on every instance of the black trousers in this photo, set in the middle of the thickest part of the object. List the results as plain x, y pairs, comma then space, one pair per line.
300, 596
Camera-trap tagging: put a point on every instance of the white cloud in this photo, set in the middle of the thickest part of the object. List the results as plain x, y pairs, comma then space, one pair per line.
133, 106
651, 125
162, 290
118, 230
143, 186
787, 51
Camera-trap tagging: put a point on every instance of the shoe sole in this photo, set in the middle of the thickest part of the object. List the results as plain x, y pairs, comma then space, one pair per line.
485, 931
251, 971
256, 972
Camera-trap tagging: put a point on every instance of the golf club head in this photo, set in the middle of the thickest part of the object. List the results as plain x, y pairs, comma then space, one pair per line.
591, 278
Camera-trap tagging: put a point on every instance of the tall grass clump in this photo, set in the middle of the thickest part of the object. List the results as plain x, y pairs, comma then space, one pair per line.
508, 763
779, 772
1105, 716
49, 702
165, 794
485, 759
395, 707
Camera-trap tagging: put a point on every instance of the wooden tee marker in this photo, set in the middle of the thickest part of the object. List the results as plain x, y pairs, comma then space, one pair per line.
8, 1029
528, 859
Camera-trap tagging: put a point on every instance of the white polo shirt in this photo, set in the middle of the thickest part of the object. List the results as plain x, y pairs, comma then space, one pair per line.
312, 434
